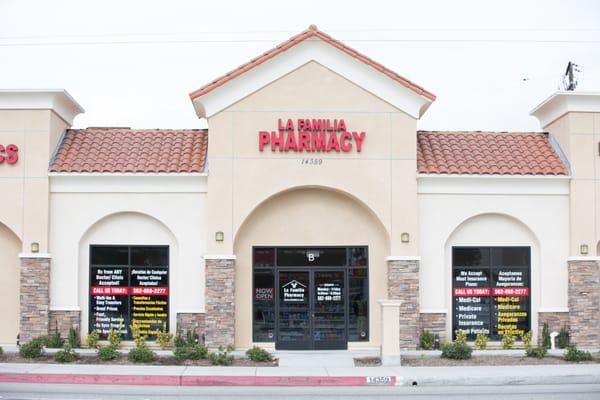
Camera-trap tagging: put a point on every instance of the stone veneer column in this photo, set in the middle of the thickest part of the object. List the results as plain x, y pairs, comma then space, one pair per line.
403, 284
584, 304
219, 321
35, 296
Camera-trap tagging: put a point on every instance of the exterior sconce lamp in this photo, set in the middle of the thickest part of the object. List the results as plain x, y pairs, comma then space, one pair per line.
35, 247
219, 236
583, 249
405, 237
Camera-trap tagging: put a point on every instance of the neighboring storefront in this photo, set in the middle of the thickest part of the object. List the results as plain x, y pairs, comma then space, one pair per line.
308, 213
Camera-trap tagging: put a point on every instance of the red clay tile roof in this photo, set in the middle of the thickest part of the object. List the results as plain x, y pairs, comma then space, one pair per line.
487, 153
312, 31
131, 150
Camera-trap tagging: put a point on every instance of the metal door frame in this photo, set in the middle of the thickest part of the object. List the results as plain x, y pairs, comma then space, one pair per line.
311, 302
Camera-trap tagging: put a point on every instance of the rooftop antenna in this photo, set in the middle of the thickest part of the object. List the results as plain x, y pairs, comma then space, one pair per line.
570, 77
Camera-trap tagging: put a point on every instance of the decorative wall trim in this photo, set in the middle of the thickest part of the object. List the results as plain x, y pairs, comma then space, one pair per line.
128, 183
434, 311
553, 310
57, 100
584, 258
219, 257
35, 255
562, 102
65, 308
403, 258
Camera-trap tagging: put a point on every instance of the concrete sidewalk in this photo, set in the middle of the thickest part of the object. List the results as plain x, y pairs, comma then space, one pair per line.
299, 376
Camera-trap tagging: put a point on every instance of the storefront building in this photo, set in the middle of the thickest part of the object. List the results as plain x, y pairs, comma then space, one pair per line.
310, 215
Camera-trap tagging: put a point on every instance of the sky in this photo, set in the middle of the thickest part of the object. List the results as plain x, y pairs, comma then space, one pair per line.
134, 63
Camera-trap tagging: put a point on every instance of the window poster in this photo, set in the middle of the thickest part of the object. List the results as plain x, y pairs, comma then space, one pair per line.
491, 291
129, 286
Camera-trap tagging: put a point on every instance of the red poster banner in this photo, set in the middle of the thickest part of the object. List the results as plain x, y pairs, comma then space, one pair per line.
109, 290
468, 292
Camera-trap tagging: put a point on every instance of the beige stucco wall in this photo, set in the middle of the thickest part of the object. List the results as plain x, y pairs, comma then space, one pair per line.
578, 134
10, 246
381, 179
382, 175
24, 201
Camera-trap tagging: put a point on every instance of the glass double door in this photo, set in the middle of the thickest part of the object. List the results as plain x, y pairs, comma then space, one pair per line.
311, 309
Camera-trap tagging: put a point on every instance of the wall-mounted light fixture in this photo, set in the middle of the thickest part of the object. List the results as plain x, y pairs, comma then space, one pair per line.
583, 249
35, 247
405, 237
219, 236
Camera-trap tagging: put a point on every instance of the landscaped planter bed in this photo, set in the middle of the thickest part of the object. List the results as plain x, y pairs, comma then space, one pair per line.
478, 360
160, 360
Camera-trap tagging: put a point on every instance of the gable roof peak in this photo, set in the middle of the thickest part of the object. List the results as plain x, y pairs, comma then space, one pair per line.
202, 110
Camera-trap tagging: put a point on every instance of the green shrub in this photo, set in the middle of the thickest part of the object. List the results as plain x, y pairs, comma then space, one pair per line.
575, 355
108, 353
508, 341
34, 348
562, 340
526, 339
54, 341
221, 357
66, 355
179, 341
546, 336
481, 340
141, 355
537, 352
138, 338
114, 336
1, 351
259, 355
456, 350
190, 352
426, 340
74, 339
460, 336
164, 338
92, 339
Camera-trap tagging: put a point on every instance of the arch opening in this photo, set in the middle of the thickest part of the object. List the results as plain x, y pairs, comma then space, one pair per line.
309, 217
10, 264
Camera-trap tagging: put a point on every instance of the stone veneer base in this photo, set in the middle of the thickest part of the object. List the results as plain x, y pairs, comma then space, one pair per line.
403, 284
556, 321
584, 303
434, 323
63, 321
34, 298
220, 302
193, 322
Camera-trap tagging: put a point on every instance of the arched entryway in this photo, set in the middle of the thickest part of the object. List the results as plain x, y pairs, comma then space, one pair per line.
308, 218
10, 246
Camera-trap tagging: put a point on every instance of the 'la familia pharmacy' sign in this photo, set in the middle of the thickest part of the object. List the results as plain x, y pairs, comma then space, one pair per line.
311, 135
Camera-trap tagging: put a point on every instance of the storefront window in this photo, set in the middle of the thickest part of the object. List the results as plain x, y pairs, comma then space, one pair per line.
358, 312
264, 305
491, 290
343, 270
129, 285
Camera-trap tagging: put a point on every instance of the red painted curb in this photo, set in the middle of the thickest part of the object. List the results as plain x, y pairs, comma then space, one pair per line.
199, 380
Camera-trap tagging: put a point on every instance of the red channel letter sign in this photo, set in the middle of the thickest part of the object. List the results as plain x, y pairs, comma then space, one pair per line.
9, 154
311, 135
